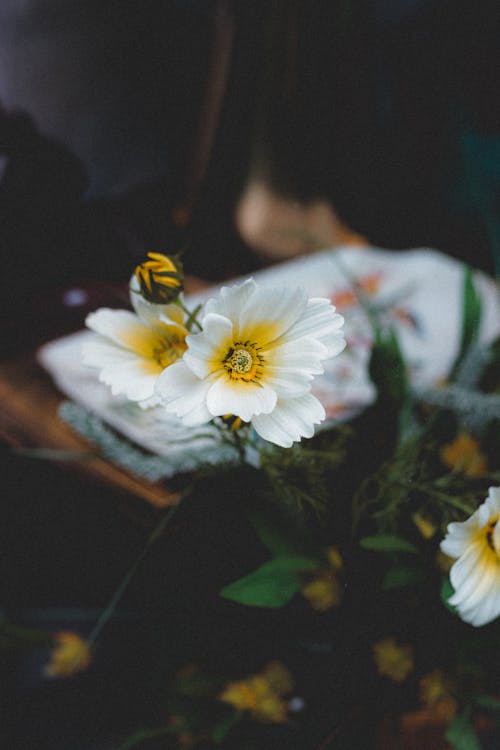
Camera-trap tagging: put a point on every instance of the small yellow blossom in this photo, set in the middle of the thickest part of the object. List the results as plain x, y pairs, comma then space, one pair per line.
464, 454
234, 423
425, 525
160, 278
261, 694
70, 655
436, 694
323, 590
392, 660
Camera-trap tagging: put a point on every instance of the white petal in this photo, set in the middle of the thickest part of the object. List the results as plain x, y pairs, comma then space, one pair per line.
206, 350
476, 580
469, 573
269, 313
292, 419
287, 382
231, 300
121, 326
491, 505
321, 322
100, 352
133, 379
305, 355
459, 536
183, 394
240, 398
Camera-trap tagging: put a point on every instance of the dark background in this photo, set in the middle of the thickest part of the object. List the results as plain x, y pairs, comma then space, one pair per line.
128, 127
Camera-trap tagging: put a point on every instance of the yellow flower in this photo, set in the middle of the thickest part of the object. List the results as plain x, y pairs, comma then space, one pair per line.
436, 694
323, 590
160, 278
261, 694
70, 655
392, 660
464, 454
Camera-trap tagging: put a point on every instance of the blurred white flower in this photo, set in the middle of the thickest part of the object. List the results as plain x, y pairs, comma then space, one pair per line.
255, 358
475, 576
131, 349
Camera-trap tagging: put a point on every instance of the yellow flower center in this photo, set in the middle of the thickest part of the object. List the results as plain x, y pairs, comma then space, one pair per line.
243, 362
490, 528
169, 350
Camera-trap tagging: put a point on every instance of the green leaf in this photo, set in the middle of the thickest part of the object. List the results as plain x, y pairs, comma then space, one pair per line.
487, 702
471, 321
401, 575
142, 736
387, 543
224, 726
461, 734
447, 592
271, 533
272, 585
387, 367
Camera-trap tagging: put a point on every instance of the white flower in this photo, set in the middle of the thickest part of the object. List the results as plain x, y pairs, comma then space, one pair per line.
256, 358
475, 576
133, 348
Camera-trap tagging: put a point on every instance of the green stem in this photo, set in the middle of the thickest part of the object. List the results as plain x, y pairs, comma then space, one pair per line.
108, 611
440, 496
191, 320
147, 734
239, 445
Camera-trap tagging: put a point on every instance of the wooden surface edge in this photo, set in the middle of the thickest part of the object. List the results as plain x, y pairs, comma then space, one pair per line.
29, 420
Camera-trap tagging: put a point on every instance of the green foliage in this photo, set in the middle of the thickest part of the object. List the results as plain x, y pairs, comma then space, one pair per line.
387, 543
300, 476
224, 726
387, 368
447, 592
143, 735
461, 734
471, 323
487, 702
272, 585
402, 575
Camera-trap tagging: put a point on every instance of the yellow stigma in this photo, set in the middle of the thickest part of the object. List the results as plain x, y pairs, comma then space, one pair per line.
169, 351
243, 362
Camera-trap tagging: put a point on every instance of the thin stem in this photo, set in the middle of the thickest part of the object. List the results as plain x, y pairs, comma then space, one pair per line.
440, 496
146, 734
192, 320
108, 611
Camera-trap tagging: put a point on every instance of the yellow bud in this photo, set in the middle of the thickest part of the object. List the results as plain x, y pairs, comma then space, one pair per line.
425, 525
161, 278
334, 558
